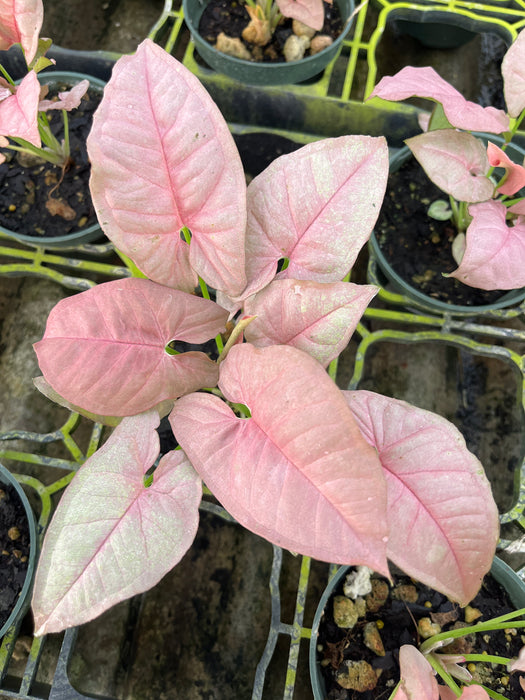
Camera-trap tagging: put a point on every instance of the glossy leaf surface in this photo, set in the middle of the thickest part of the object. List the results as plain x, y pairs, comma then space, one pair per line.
162, 158
443, 522
105, 349
298, 472
20, 23
111, 536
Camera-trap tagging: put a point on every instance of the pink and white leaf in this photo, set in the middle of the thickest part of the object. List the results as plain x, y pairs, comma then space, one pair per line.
105, 349
309, 12
518, 208
426, 83
111, 536
418, 681
297, 472
443, 521
495, 251
519, 663
456, 162
20, 23
515, 179
68, 100
472, 692
162, 158
19, 111
513, 72
316, 207
317, 318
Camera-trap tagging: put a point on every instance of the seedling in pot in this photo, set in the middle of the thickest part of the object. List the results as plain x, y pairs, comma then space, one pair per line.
24, 124
348, 477
487, 208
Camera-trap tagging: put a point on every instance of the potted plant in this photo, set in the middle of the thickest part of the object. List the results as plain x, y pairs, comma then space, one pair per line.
308, 48
484, 187
329, 474
44, 164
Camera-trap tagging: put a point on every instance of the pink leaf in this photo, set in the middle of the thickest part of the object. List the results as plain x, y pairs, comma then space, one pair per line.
519, 663
162, 159
456, 162
518, 208
67, 100
105, 349
494, 253
317, 318
309, 12
513, 71
20, 23
111, 537
298, 472
316, 207
425, 82
19, 111
443, 521
515, 179
417, 676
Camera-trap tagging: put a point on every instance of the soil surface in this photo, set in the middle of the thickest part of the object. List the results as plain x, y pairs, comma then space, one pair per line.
396, 619
418, 247
231, 17
40, 199
14, 549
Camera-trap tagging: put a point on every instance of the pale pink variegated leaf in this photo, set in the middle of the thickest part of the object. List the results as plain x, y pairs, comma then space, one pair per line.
162, 158
309, 12
297, 472
426, 83
20, 23
518, 664
316, 207
112, 536
19, 111
515, 172
456, 162
495, 251
443, 522
513, 72
105, 349
518, 208
418, 681
317, 318
68, 100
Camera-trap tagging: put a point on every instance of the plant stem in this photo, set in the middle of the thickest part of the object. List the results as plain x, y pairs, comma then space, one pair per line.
438, 668
487, 658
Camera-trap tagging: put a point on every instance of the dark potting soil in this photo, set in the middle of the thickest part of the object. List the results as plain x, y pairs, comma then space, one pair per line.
259, 149
231, 17
418, 247
396, 620
29, 189
14, 549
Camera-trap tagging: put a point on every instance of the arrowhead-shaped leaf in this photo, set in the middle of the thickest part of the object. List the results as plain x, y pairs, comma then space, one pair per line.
105, 349
316, 207
298, 472
317, 318
425, 82
309, 12
494, 253
20, 23
111, 536
513, 71
68, 100
443, 522
456, 162
19, 111
162, 158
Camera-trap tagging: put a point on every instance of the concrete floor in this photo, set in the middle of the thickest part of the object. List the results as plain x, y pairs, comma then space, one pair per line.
200, 633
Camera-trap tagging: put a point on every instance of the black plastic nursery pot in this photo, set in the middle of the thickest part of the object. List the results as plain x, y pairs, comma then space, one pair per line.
414, 297
255, 73
501, 572
76, 235
17, 567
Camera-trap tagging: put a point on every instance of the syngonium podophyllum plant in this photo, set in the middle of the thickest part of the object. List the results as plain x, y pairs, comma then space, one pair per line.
341, 476
482, 182
24, 123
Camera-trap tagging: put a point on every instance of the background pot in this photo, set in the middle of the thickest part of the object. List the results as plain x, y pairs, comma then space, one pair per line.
503, 574
415, 297
6, 478
86, 234
254, 73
